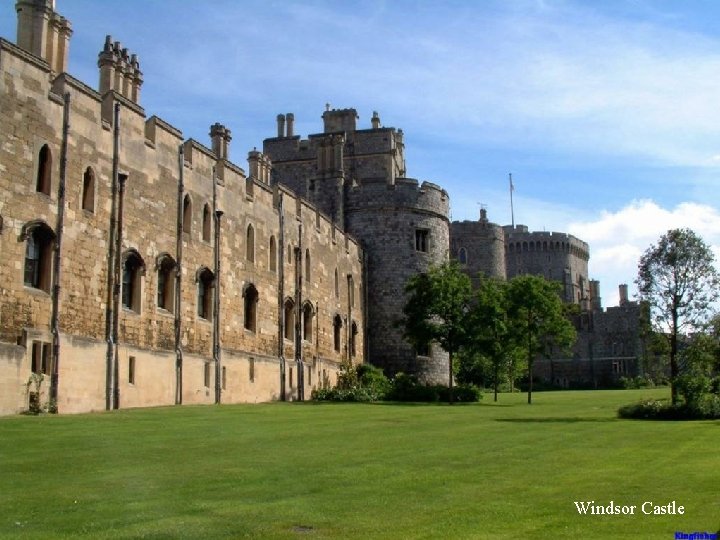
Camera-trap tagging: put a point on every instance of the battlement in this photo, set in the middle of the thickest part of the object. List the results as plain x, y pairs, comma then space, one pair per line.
336, 120
519, 239
404, 193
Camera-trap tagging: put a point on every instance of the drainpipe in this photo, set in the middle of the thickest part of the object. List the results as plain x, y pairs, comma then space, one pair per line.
178, 278
281, 296
348, 332
216, 297
112, 285
118, 280
298, 315
55, 360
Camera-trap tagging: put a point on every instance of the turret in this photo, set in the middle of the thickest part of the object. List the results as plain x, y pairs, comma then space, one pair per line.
119, 71
220, 137
43, 32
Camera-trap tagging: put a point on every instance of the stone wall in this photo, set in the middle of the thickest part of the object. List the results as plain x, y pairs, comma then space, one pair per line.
269, 240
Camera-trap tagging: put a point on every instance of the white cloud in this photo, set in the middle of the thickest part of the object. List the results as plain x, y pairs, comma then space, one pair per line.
618, 239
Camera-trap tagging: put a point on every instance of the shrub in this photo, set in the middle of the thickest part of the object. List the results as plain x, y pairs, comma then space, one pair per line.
706, 407
407, 388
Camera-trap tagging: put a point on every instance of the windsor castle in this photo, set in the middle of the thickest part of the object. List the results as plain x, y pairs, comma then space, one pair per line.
139, 268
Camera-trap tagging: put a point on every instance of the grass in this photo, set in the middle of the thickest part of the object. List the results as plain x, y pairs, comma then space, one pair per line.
486, 470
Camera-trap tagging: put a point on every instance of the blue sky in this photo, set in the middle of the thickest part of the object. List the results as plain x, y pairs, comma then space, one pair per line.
606, 113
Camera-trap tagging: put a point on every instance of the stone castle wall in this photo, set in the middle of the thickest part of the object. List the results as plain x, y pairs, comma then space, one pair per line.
292, 243
479, 247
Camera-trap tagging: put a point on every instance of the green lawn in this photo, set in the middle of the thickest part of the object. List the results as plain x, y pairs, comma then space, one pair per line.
505, 470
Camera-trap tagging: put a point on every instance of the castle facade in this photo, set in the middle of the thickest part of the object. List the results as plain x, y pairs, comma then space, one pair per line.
139, 268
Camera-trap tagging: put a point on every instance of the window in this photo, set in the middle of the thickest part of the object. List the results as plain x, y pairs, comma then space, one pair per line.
38, 257
88, 190
423, 349
351, 289
206, 283
309, 375
337, 328
166, 283
187, 215
289, 319
289, 254
224, 377
462, 255
250, 312
337, 284
133, 268
251, 370
131, 370
353, 338
421, 240
206, 374
42, 184
206, 223
307, 266
250, 244
273, 255
40, 362
307, 320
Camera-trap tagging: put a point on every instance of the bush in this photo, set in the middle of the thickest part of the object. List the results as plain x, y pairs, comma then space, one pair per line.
706, 408
407, 388
362, 383
636, 382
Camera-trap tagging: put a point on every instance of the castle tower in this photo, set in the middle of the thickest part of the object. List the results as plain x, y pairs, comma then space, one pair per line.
479, 247
556, 256
43, 32
356, 176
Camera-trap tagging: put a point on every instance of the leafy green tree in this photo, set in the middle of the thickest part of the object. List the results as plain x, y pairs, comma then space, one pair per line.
678, 282
436, 310
490, 338
537, 318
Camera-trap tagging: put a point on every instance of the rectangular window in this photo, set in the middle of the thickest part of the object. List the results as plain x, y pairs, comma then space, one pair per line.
309, 381
421, 240
251, 370
40, 362
206, 374
131, 370
224, 377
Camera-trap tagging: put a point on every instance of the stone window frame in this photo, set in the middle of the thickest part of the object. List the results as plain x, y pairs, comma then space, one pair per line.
43, 176
308, 317
187, 214
250, 243
205, 280
206, 223
422, 240
38, 265
272, 256
462, 256
251, 298
87, 195
337, 332
133, 270
166, 268
289, 319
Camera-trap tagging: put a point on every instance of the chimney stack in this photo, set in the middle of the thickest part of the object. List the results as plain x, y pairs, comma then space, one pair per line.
623, 289
281, 125
290, 117
375, 120
220, 137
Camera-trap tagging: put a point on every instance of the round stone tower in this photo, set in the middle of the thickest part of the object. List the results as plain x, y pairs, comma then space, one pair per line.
404, 229
556, 256
479, 247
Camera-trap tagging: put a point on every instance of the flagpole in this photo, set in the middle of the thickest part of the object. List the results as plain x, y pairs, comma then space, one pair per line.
512, 211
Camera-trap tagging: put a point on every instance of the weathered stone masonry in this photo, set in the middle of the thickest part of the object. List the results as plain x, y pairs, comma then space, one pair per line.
127, 335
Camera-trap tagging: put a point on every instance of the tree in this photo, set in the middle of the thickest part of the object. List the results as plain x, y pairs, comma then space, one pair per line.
436, 310
490, 337
537, 318
678, 282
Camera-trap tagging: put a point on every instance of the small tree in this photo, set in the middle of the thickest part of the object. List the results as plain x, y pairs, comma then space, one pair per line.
490, 336
677, 280
436, 310
537, 318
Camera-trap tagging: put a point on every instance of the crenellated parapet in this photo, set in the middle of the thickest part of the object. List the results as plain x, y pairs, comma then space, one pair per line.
519, 239
403, 194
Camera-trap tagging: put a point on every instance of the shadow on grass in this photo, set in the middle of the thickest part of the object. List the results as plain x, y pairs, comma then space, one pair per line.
558, 420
